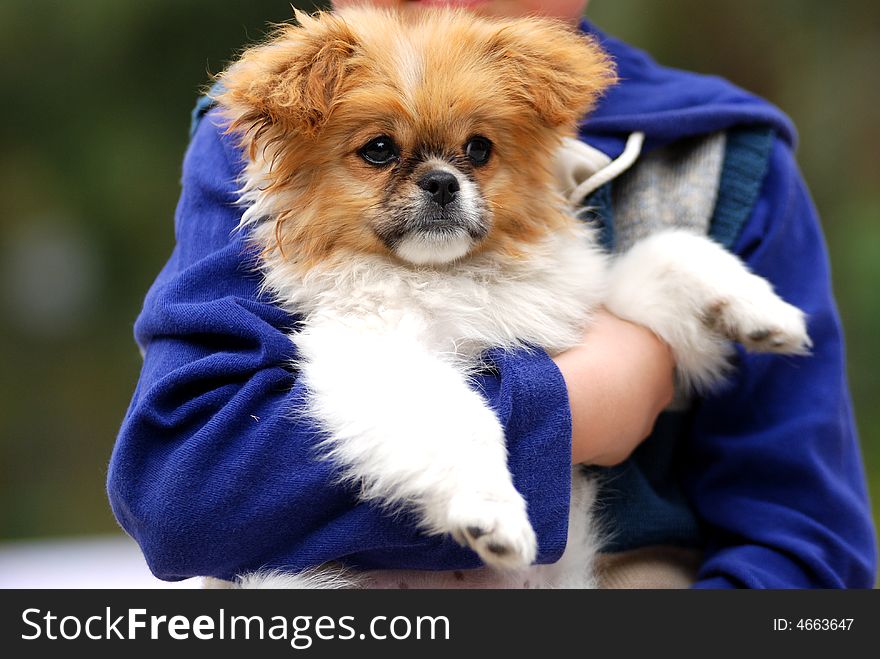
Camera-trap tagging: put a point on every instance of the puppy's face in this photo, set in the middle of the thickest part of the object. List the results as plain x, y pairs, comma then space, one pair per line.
431, 206
426, 139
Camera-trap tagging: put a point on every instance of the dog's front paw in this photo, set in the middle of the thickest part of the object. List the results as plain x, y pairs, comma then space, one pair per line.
760, 320
496, 527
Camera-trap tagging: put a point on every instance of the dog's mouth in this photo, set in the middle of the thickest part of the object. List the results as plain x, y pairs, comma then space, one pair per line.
428, 239
436, 246
439, 222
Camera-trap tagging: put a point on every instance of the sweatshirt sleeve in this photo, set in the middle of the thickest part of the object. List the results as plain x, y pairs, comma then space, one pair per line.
214, 471
776, 476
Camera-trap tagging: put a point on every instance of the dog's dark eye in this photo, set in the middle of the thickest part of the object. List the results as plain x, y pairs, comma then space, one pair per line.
380, 151
478, 150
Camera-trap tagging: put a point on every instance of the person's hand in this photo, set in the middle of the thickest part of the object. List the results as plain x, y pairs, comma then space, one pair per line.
619, 379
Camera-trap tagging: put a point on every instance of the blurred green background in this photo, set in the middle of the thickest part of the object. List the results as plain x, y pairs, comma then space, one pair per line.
94, 109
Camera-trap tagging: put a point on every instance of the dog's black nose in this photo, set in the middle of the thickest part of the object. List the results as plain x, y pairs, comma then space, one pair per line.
441, 185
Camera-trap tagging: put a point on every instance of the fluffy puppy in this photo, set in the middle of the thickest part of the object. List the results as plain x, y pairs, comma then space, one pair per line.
399, 187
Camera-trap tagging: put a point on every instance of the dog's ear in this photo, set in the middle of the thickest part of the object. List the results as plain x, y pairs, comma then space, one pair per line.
555, 69
292, 81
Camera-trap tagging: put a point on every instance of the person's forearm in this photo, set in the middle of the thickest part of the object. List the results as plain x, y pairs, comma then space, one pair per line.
619, 379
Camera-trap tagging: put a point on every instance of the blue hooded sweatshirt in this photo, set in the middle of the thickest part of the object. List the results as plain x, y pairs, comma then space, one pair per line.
214, 470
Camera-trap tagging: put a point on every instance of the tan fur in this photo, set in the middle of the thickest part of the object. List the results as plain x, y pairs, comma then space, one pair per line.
319, 90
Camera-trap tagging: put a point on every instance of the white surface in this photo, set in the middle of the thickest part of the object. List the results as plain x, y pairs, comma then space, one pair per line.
97, 562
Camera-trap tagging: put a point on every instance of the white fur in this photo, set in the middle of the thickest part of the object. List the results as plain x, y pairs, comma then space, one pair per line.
410, 65
460, 309
426, 249
329, 577
386, 349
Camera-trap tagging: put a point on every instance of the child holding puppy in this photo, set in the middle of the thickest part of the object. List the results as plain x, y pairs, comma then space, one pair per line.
758, 486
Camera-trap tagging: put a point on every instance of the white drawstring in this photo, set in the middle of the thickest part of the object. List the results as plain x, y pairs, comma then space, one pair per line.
611, 171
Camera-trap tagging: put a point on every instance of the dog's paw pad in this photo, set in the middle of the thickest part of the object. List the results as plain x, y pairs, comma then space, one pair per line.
496, 527
760, 320
714, 314
475, 532
498, 549
790, 340
786, 333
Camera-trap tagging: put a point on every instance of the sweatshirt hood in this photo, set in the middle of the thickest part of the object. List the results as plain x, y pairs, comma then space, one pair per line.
669, 104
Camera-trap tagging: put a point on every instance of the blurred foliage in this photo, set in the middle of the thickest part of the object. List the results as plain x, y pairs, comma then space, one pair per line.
96, 100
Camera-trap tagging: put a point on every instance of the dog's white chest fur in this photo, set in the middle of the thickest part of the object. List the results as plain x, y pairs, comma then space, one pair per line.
541, 298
